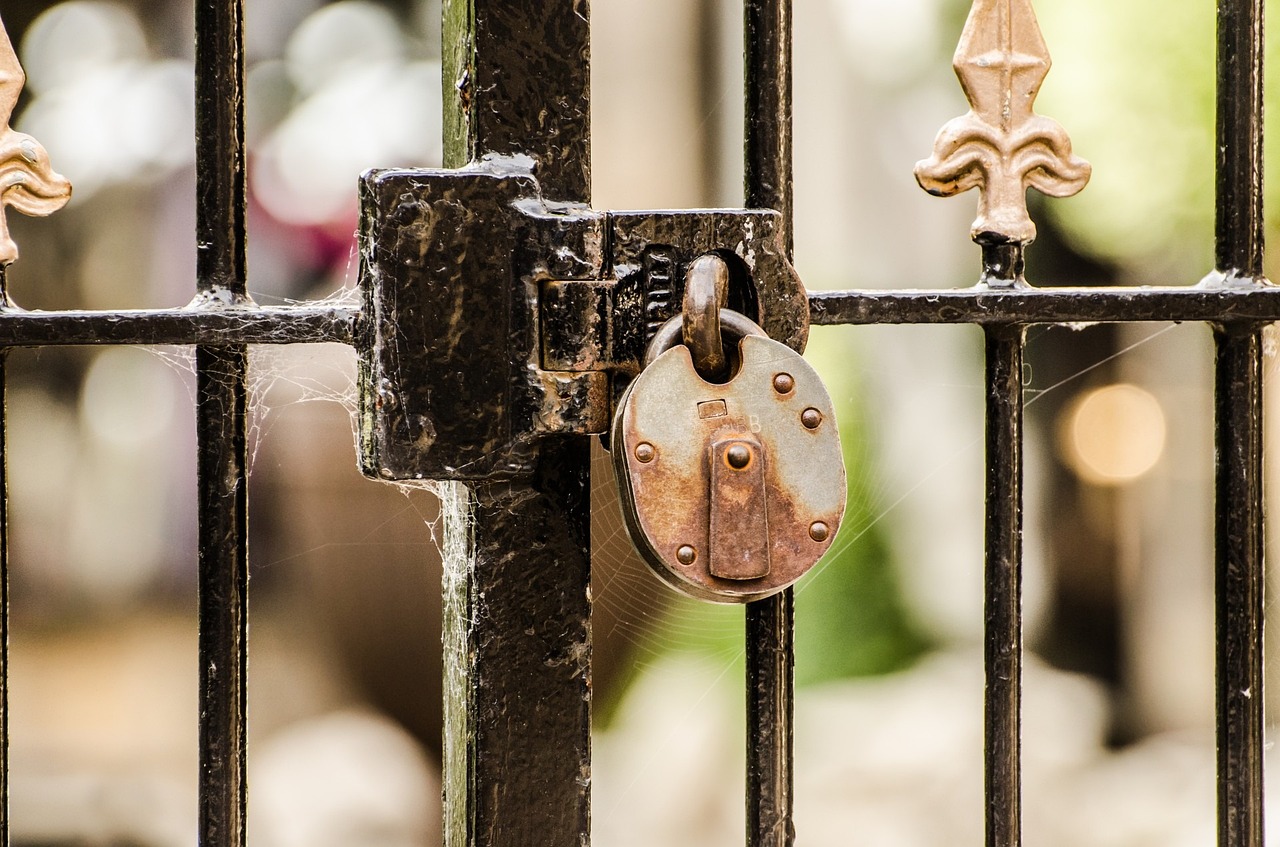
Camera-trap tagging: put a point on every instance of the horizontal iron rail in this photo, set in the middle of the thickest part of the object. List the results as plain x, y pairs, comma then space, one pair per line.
188, 325
983, 305
311, 324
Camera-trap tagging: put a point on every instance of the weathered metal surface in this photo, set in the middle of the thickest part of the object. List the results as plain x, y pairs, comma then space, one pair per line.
706, 292
451, 265
221, 457
517, 85
573, 402
28, 182
517, 763
650, 252
1003, 594
519, 773
671, 333
518, 659
577, 325
1239, 531
584, 349
454, 384
770, 630
1045, 305
223, 589
1239, 584
1002, 146
1238, 236
738, 509
303, 324
672, 433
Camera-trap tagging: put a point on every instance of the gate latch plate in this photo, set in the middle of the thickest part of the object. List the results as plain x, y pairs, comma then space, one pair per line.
499, 318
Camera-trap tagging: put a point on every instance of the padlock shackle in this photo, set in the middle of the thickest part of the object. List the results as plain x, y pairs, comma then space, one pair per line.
706, 292
671, 333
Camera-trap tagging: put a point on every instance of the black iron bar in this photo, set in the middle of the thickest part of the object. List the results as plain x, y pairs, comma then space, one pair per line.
517, 761
1240, 577
770, 623
1239, 567
1239, 238
223, 582
767, 162
220, 425
770, 701
988, 306
304, 324
308, 323
1003, 603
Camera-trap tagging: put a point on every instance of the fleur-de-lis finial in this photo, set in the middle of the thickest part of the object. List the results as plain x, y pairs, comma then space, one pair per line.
1001, 146
28, 182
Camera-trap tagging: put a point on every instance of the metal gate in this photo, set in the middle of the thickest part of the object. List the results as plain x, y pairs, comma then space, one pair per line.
545, 351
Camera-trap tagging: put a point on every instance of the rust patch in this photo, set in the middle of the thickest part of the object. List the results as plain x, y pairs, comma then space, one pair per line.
573, 402
700, 492
739, 511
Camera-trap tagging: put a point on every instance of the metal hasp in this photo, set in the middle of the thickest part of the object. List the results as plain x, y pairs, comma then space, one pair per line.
503, 315
499, 316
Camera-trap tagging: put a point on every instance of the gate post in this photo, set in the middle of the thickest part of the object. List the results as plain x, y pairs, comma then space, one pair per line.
516, 606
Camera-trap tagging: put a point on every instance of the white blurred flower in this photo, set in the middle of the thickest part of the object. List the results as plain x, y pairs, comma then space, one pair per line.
384, 115
106, 112
364, 105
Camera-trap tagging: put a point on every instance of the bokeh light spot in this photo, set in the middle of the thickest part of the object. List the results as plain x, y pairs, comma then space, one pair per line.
1113, 435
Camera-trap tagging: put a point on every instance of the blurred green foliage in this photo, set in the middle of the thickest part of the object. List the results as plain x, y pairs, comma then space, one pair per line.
1134, 84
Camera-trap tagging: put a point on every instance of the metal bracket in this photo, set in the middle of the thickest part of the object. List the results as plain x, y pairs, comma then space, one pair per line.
499, 318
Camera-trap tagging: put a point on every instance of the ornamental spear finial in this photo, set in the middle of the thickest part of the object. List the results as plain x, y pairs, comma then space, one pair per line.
1002, 146
28, 182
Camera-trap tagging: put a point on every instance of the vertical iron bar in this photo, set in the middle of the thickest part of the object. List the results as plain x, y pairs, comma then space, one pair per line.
1239, 132
767, 162
770, 702
1239, 586
770, 624
1003, 637
517, 610
220, 425
1239, 529
511, 57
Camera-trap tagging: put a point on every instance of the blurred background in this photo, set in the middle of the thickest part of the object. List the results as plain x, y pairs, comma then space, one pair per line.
344, 673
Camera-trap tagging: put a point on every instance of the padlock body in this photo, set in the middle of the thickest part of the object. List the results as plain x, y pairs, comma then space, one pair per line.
731, 492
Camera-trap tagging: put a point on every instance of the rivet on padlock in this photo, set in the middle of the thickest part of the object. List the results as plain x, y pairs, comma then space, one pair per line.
732, 478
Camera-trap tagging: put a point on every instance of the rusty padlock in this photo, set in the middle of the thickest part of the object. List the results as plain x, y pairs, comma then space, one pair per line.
731, 490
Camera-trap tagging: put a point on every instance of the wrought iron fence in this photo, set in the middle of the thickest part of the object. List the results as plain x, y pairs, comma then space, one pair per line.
518, 762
